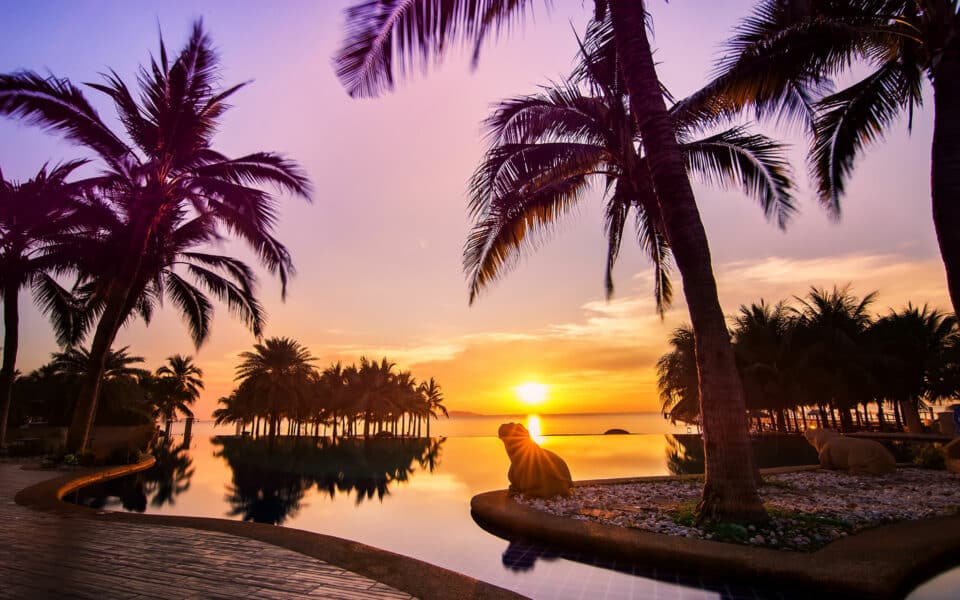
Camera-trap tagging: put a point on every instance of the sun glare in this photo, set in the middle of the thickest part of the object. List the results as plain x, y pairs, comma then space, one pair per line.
535, 427
531, 393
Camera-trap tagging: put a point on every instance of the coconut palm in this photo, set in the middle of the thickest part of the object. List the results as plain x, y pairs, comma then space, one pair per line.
784, 55
836, 358
390, 36
165, 165
919, 341
37, 217
122, 389
677, 378
763, 339
177, 385
278, 371
433, 401
548, 148
370, 388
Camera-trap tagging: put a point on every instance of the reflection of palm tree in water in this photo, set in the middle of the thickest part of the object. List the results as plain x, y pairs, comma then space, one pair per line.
684, 454
170, 475
269, 483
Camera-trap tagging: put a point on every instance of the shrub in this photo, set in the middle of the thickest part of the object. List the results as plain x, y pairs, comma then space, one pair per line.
929, 456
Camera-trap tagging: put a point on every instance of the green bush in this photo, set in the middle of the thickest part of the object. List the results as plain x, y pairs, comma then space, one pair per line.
929, 456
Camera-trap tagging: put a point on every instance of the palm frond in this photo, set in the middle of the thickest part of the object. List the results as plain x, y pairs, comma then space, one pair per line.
58, 105
497, 240
853, 118
753, 162
385, 38
194, 306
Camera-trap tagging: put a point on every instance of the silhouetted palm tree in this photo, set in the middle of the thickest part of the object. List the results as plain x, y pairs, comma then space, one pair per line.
433, 400
763, 339
547, 149
165, 167
389, 36
677, 378
177, 385
836, 359
785, 54
919, 341
279, 371
36, 218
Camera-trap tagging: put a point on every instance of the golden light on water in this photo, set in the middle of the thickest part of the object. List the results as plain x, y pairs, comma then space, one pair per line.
532, 393
535, 427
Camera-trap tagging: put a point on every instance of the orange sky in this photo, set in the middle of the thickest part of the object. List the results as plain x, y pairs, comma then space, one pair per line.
378, 253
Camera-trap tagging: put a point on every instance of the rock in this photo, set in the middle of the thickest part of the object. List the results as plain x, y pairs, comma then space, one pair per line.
616, 432
850, 454
533, 471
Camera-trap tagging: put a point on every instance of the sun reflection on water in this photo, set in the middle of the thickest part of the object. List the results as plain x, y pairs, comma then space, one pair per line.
535, 427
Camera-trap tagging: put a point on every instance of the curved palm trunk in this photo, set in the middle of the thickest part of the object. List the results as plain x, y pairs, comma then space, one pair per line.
116, 307
729, 491
11, 341
945, 165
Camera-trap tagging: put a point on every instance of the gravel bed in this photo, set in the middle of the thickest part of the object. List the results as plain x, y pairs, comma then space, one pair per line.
808, 509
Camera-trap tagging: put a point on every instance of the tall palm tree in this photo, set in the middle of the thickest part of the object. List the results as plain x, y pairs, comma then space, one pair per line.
37, 216
433, 401
677, 378
836, 353
918, 339
166, 165
548, 148
280, 371
763, 339
370, 387
178, 384
784, 56
388, 36
123, 380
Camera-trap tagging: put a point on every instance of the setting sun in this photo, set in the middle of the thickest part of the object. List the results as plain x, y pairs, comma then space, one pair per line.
531, 392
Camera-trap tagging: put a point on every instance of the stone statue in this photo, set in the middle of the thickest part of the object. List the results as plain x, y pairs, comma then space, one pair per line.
850, 454
533, 471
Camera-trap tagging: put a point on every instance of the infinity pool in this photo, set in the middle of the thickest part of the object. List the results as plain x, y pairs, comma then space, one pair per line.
413, 497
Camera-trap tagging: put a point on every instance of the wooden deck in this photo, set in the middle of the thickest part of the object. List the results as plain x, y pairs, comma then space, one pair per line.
45, 555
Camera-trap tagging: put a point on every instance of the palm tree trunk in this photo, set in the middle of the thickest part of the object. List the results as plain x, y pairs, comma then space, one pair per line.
11, 341
911, 414
116, 303
729, 491
428, 426
945, 164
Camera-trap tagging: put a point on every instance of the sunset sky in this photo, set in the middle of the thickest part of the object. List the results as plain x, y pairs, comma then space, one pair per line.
378, 252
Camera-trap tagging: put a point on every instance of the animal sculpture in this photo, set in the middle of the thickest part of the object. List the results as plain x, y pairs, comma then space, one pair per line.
856, 456
533, 471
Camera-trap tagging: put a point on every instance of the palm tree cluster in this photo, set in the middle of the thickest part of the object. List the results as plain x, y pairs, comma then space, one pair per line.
278, 384
827, 358
139, 232
130, 394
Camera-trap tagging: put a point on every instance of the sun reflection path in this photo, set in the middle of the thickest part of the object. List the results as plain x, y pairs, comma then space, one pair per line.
535, 427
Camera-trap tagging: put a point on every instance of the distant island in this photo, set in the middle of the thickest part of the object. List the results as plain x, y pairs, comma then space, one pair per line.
464, 413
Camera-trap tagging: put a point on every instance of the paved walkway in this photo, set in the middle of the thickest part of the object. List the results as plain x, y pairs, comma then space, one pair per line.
45, 555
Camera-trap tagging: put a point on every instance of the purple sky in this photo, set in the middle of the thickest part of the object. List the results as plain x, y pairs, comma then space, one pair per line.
378, 253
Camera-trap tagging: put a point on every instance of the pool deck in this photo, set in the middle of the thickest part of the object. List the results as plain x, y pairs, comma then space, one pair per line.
52, 549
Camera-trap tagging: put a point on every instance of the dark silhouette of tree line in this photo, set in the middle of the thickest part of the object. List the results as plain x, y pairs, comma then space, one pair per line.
827, 358
129, 395
279, 385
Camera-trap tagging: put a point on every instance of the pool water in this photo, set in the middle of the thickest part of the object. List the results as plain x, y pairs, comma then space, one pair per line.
413, 496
